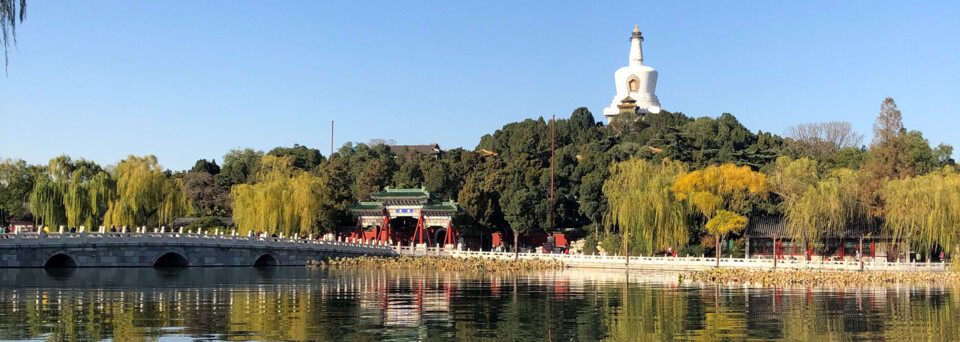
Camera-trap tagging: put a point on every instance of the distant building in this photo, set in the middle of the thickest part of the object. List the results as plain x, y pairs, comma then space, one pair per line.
431, 149
636, 84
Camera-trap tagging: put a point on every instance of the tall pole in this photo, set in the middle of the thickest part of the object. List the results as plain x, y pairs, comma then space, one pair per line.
331, 141
553, 144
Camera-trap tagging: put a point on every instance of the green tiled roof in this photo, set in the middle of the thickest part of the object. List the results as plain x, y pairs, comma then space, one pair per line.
366, 206
401, 193
441, 206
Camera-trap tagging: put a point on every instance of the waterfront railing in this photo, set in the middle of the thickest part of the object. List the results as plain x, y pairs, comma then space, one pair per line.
679, 263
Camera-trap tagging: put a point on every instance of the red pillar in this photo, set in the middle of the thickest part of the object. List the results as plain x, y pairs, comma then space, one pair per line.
419, 230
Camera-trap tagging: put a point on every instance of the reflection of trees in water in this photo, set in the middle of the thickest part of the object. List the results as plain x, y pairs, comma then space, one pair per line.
371, 305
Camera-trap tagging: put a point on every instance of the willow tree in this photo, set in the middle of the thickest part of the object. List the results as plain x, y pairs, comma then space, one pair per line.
642, 205
145, 195
816, 204
283, 199
9, 13
71, 192
715, 189
925, 209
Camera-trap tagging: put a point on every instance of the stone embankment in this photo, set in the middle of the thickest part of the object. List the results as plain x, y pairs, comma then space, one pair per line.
437, 263
817, 277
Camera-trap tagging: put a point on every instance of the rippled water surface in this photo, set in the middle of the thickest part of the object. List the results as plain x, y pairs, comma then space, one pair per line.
307, 304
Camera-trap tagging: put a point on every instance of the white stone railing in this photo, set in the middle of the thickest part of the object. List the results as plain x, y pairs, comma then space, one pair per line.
682, 263
24, 240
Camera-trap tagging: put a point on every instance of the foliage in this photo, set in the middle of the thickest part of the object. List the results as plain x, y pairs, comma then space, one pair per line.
283, 199
208, 198
612, 244
925, 209
373, 178
303, 158
726, 222
816, 204
209, 167
335, 196
643, 206
16, 182
9, 16
724, 187
206, 224
145, 196
590, 244
239, 166
72, 192
890, 157
719, 193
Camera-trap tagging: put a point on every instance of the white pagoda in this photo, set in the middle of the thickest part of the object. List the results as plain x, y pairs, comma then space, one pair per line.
635, 82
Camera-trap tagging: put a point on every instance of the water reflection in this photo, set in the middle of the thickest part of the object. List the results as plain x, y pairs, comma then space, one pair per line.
303, 304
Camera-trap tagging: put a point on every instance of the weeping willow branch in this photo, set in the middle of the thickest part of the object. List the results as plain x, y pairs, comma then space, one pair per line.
642, 204
282, 200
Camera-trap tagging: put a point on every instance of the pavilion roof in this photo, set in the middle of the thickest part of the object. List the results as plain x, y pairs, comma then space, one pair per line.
776, 227
449, 206
366, 206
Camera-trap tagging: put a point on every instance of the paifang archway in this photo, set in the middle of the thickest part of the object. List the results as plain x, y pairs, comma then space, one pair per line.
390, 204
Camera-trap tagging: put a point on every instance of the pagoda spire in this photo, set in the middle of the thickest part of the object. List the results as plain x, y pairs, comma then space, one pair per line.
636, 47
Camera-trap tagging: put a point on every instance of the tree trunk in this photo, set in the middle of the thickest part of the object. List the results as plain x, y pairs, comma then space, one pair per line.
516, 245
775, 256
718, 251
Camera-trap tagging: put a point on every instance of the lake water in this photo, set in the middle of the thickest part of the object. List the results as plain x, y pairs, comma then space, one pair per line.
293, 303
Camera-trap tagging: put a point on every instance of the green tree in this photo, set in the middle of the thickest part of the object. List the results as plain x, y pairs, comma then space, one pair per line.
373, 178
208, 198
335, 196
209, 167
145, 195
925, 209
816, 204
239, 166
890, 156
643, 206
72, 192
303, 158
283, 199
16, 182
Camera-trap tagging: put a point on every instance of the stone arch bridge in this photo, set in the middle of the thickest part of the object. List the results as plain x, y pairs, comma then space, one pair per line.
170, 249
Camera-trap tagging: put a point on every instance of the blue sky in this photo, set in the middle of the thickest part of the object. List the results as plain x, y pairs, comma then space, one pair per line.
186, 80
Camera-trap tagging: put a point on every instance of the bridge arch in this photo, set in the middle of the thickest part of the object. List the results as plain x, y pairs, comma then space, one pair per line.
60, 260
266, 260
171, 258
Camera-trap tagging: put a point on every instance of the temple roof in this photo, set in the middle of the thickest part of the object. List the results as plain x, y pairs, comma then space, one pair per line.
401, 193
408, 197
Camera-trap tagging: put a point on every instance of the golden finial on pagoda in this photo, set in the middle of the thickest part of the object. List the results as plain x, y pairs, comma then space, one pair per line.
636, 29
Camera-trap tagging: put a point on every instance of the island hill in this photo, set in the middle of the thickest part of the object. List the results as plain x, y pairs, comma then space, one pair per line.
649, 181
820, 192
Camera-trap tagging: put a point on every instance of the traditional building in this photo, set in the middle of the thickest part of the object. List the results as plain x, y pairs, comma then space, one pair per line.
405, 215
635, 83
767, 237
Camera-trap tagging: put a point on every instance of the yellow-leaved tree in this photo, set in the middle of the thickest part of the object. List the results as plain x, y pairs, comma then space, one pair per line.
145, 195
642, 205
283, 199
717, 192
